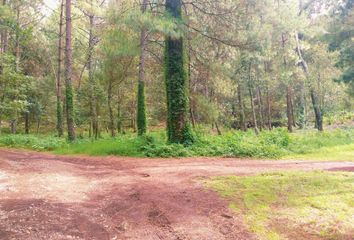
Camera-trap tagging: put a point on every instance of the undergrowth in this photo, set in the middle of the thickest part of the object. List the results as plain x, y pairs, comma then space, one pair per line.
268, 144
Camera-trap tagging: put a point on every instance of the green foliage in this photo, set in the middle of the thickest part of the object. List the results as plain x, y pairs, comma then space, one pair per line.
339, 118
272, 145
296, 199
342, 39
15, 88
35, 142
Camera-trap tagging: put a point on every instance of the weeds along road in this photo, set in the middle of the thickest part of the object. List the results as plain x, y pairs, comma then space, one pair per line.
44, 196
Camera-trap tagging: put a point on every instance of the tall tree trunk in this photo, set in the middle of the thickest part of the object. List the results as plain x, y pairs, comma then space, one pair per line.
110, 109
302, 112
254, 116
141, 111
217, 128
314, 98
92, 81
68, 75
4, 37
288, 109
13, 124
292, 108
17, 39
260, 107
97, 126
178, 127
60, 124
269, 111
317, 110
243, 125
27, 122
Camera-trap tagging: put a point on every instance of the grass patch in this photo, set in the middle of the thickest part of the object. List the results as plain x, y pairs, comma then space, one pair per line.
34, 142
334, 153
277, 144
284, 205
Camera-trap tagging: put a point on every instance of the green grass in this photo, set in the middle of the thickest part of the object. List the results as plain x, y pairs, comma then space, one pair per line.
334, 153
34, 142
277, 144
284, 205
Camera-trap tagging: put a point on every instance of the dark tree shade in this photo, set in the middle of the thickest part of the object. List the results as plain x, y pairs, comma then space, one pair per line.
178, 127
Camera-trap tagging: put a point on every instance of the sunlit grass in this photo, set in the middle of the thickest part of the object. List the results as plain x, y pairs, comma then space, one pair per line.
281, 205
334, 153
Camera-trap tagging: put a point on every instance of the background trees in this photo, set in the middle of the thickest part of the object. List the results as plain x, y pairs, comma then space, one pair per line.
241, 64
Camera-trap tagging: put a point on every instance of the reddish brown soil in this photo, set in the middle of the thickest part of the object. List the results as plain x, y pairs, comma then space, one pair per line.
43, 196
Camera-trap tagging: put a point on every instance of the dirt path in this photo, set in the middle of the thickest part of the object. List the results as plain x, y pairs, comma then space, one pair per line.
43, 196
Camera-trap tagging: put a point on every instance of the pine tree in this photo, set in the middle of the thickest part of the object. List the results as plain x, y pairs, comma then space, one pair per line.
178, 127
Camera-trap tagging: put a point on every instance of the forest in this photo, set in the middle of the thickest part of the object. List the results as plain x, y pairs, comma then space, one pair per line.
176, 119
93, 69
97, 68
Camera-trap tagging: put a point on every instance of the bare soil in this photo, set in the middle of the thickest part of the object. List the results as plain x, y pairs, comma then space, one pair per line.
44, 196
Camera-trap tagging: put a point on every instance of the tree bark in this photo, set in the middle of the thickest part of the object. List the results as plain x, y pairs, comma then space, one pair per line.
260, 107
288, 109
68, 74
269, 111
13, 124
317, 110
110, 109
314, 98
27, 123
60, 124
141, 111
92, 81
178, 127
254, 116
243, 125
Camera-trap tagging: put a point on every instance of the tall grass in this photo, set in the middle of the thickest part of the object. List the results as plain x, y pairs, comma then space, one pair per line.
35, 142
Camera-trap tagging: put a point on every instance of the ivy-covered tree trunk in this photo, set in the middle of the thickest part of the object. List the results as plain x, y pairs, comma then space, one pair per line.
68, 75
141, 111
178, 127
60, 124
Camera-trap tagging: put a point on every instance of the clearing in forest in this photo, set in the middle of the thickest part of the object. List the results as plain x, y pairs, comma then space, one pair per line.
44, 196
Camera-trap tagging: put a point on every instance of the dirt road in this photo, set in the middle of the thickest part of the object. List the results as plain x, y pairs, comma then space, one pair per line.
43, 196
